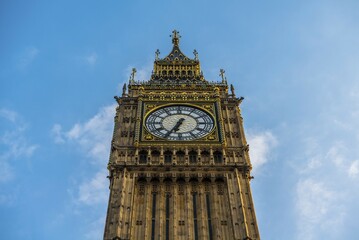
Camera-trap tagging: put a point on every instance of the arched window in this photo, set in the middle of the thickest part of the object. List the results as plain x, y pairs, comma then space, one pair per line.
155, 156
164, 72
168, 157
180, 156
143, 156
141, 186
205, 157
220, 186
192, 156
181, 186
218, 157
190, 73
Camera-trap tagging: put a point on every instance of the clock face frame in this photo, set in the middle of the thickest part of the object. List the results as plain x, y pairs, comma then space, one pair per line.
179, 122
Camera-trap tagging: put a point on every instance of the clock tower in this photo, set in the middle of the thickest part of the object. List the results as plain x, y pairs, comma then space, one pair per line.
179, 166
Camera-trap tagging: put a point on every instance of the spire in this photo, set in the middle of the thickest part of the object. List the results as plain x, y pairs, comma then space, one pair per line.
175, 37
221, 73
157, 54
195, 55
176, 65
124, 88
132, 77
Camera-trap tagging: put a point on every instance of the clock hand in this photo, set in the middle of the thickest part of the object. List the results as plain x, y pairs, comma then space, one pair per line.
179, 123
176, 127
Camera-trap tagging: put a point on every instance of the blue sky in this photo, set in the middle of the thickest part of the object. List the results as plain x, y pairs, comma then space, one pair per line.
295, 62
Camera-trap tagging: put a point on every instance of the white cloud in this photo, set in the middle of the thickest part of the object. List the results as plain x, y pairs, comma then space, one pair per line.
75, 132
95, 190
261, 145
91, 59
28, 57
324, 192
16, 143
93, 136
354, 169
319, 209
316, 157
313, 163
57, 133
13, 143
335, 155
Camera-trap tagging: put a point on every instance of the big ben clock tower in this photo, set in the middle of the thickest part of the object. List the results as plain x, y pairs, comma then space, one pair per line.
179, 166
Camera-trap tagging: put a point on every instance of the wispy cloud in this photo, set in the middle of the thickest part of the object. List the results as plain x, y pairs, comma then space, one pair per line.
319, 209
261, 144
353, 170
324, 190
27, 57
91, 59
93, 137
57, 133
95, 190
13, 143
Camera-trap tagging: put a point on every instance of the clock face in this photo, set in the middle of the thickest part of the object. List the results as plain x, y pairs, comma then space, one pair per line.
179, 122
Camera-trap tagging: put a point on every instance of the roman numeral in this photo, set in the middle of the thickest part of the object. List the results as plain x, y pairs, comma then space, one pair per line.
191, 111
157, 115
167, 111
152, 123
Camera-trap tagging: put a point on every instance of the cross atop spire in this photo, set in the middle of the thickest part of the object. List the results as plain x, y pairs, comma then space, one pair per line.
175, 37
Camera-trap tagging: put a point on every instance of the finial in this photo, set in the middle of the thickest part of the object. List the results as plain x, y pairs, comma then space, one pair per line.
221, 73
232, 90
157, 54
132, 77
175, 37
124, 88
195, 54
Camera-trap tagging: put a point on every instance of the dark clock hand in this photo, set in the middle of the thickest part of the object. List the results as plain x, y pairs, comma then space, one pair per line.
176, 127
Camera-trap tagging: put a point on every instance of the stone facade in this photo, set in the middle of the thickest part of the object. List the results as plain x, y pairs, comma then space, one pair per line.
179, 189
